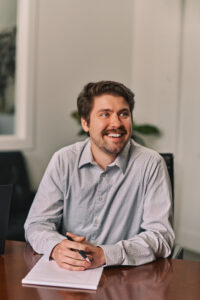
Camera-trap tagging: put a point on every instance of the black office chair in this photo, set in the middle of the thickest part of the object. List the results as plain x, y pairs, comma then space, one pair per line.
13, 171
5, 199
169, 160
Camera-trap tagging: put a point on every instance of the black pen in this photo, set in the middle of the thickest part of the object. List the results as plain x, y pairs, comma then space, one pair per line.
82, 253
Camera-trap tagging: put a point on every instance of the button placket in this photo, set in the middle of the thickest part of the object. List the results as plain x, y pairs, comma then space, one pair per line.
96, 222
99, 200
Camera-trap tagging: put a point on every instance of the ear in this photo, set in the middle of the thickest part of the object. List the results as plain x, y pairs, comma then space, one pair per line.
84, 124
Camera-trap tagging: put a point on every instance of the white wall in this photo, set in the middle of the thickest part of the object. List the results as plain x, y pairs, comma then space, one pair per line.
77, 42
155, 67
165, 78
188, 142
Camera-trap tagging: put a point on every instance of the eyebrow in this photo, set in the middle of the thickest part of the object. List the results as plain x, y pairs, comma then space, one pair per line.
110, 110
104, 110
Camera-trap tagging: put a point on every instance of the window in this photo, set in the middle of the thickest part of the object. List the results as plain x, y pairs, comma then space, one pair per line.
21, 136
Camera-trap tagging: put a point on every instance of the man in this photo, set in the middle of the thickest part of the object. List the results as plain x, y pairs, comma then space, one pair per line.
110, 195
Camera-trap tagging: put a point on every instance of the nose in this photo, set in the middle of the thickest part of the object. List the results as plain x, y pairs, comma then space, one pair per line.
115, 121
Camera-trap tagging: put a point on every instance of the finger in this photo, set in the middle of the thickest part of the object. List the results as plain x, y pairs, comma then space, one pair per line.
61, 258
67, 266
73, 254
76, 262
75, 246
62, 253
67, 248
73, 262
75, 237
71, 268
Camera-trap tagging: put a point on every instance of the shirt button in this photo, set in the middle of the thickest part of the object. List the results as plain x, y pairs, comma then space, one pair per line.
100, 199
96, 222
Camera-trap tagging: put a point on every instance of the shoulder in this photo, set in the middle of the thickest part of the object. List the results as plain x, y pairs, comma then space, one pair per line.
144, 154
69, 154
145, 159
147, 162
72, 149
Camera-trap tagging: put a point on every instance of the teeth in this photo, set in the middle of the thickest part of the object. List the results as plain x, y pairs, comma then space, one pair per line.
114, 135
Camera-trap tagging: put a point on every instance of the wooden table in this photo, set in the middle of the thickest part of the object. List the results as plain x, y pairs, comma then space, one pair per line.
164, 279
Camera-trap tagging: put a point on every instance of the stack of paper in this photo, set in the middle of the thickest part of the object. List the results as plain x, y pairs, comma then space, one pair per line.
49, 273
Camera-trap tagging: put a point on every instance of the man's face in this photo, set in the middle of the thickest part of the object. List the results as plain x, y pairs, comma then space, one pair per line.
110, 125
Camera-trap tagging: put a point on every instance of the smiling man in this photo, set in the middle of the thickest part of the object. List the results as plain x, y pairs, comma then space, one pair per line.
107, 196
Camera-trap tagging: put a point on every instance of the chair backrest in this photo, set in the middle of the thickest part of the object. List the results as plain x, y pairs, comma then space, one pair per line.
13, 171
169, 160
178, 250
5, 200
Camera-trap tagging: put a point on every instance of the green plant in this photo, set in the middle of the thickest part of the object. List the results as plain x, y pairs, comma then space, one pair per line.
7, 62
138, 130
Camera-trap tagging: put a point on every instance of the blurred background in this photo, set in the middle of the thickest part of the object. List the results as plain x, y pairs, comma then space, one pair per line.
151, 46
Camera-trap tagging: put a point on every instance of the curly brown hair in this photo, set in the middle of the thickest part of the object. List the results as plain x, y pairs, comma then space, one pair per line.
93, 89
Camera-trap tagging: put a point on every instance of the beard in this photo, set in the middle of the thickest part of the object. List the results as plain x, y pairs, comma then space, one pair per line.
111, 147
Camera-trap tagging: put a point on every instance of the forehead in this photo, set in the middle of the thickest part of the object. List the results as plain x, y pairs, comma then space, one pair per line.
109, 102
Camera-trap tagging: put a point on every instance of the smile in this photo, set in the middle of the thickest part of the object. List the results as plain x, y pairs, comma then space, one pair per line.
115, 135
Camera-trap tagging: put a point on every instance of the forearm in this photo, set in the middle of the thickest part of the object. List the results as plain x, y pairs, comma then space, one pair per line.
143, 248
43, 237
45, 215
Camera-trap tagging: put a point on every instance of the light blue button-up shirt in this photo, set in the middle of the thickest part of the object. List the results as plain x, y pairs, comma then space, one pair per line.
125, 209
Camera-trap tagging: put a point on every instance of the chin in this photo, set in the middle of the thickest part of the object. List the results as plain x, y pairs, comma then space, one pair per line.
113, 150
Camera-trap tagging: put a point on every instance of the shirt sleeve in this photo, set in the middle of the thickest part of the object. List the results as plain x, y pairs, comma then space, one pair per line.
45, 216
156, 237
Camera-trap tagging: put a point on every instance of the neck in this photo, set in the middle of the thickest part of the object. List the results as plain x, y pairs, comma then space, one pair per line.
103, 159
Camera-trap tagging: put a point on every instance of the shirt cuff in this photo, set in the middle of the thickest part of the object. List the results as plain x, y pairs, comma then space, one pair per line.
113, 254
51, 245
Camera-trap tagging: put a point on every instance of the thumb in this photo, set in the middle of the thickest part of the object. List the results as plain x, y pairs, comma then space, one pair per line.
76, 238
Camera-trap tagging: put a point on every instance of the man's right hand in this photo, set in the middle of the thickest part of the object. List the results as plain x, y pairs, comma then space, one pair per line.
67, 256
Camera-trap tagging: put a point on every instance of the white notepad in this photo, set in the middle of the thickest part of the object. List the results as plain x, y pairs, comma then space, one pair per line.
49, 273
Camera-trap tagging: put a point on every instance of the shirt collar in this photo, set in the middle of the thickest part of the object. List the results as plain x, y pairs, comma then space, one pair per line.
86, 155
120, 161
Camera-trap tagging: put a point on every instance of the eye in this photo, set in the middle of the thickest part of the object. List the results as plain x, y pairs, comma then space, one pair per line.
124, 114
105, 115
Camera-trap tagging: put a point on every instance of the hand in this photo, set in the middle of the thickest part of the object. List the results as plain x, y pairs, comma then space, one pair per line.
67, 257
95, 254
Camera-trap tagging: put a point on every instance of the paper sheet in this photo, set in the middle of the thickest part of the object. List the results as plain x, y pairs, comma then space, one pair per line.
49, 273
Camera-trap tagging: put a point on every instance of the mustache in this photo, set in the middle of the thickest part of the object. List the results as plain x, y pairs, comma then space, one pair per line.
120, 130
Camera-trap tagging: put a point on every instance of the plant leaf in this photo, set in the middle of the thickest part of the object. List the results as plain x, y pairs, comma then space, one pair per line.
146, 129
76, 116
138, 139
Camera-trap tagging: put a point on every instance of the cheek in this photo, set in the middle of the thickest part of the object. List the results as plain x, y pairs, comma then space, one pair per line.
102, 124
128, 125
97, 127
